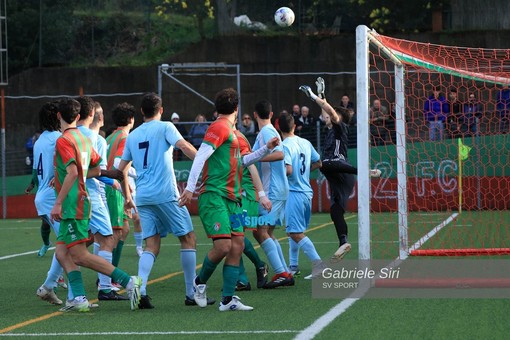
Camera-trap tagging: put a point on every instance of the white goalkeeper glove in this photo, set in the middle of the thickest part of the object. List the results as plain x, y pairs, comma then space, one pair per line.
308, 91
321, 87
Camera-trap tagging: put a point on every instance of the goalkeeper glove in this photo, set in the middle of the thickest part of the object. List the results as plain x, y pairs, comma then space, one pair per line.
308, 91
321, 87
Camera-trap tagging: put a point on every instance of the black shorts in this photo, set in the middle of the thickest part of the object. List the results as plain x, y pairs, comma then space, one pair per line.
340, 187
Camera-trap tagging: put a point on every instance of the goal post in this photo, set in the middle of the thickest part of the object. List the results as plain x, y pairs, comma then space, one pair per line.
436, 196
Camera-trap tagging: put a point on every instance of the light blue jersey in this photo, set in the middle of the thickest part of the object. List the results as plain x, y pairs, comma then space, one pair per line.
272, 174
102, 147
150, 146
300, 154
44, 151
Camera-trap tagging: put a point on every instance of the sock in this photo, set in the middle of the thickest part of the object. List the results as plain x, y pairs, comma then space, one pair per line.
117, 252
45, 232
280, 254
230, 275
76, 283
271, 251
105, 282
293, 254
252, 254
309, 249
337, 215
242, 273
145, 264
189, 263
138, 238
207, 270
53, 274
120, 276
70, 294
96, 248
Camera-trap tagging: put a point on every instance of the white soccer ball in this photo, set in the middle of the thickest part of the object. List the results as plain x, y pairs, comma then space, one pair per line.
284, 17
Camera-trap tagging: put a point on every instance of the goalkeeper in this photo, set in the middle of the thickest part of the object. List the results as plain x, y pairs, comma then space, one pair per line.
335, 166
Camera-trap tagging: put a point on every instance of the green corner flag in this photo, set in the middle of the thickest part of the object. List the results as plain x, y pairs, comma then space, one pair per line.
463, 150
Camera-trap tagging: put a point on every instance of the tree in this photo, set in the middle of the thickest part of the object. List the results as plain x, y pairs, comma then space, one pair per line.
199, 10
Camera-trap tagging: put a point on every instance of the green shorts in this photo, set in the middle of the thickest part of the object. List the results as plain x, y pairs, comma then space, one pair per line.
73, 232
115, 202
251, 208
215, 212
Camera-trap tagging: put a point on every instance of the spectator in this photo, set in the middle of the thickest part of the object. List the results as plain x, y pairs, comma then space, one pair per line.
503, 109
197, 131
296, 112
247, 126
214, 116
180, 127
29, 146
378, 116
182, 130
472, 115
306, 125
345, 103
455, 117
436, 111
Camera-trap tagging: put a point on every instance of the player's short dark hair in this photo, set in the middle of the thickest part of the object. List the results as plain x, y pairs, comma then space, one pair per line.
286, 123
87, 106
226, 101
48, 117
151, 104
123, 113
263, 109
344, 113
69, 109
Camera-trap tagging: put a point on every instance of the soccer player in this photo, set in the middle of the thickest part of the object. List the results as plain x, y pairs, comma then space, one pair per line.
252, 194
75, 160
124, 118
149, 149
335, 166
300, 159
219, 198
100, 224
274, 179
44, 148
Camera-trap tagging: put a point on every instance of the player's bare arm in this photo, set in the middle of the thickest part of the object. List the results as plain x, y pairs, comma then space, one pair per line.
71, 177
95, 172
316, 165
187, 148
257, 183
123, 168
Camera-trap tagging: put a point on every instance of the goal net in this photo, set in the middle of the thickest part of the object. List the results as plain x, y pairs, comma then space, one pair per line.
440, 138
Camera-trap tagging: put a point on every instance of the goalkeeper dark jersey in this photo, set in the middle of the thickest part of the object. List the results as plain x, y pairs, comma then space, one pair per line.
335, 142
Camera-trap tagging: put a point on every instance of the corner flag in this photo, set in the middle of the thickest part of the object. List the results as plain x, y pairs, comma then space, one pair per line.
463, 150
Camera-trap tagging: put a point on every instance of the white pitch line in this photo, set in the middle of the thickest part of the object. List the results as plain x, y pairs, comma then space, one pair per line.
22, 254
150, 333
315, 328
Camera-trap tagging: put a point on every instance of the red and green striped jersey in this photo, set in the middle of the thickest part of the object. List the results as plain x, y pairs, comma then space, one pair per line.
74, 147
116, 142
222, 171
247, 181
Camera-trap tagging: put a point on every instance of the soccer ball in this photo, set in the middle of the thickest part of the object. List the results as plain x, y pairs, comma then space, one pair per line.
284, 17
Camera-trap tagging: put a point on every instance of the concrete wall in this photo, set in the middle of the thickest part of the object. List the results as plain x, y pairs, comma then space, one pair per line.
299, 60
